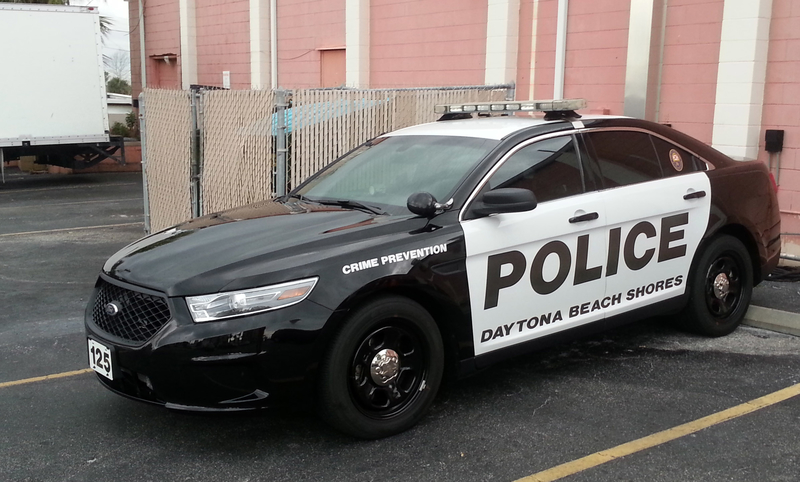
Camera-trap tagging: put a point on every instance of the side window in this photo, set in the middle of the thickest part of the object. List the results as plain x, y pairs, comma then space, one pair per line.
674, 160
550, 168
625, 157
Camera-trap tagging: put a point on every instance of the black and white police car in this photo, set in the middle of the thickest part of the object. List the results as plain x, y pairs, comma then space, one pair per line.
443, 246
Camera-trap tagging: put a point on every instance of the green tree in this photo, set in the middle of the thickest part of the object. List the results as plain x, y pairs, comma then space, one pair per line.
132, 123
115, 85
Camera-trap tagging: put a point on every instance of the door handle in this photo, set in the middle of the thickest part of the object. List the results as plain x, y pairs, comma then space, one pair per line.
584, 217
695, 195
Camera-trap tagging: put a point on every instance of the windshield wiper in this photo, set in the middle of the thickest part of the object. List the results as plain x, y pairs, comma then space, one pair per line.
345, 203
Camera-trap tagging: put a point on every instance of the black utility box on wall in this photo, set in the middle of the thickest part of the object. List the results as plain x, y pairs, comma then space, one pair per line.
773, 140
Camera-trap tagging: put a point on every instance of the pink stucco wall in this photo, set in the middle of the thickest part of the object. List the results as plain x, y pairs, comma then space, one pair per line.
304, 26
419, 43
782, 108
597, 49
691, 58
162, 31
223, 42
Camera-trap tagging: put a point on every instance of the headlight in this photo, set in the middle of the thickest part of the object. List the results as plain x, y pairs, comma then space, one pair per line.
247, 302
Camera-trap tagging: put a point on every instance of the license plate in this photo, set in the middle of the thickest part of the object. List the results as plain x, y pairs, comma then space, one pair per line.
100, 359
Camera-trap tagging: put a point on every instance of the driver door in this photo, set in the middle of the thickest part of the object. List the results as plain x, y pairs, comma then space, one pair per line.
538, 272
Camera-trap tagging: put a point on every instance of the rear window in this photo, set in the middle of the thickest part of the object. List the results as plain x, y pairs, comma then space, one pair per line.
625, 157
674, 160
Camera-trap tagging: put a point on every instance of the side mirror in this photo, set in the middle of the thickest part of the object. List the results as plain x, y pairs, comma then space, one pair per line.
504, 200
423, 204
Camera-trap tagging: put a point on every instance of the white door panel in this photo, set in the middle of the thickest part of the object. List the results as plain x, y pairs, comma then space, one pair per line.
530, 273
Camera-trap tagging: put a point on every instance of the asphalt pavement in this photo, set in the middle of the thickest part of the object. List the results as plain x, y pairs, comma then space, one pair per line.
511, 421
779, 295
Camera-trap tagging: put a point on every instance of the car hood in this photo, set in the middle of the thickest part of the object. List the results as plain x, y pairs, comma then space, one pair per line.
256, 244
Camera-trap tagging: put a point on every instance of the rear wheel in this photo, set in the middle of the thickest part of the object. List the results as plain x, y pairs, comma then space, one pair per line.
721, 286
383, 369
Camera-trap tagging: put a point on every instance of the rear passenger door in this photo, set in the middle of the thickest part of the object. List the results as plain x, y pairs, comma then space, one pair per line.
657, 211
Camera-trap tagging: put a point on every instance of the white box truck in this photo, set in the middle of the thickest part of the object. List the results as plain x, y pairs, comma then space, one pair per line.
52, 86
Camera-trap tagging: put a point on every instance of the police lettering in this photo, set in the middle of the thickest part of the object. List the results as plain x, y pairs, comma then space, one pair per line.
667, 250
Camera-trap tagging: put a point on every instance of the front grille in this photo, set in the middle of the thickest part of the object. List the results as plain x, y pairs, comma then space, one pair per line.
139, 316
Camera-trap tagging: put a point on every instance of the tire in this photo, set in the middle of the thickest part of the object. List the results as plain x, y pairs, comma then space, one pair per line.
720, 285
361, 392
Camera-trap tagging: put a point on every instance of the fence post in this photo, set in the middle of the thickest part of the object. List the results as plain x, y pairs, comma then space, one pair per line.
201, 121
280, 140
196, 165
143, 144
511, 92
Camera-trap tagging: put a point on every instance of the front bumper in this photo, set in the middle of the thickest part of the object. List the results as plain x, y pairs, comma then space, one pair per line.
254, 361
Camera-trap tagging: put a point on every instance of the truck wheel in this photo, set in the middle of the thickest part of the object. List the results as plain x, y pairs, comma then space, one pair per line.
720, 288
383, 369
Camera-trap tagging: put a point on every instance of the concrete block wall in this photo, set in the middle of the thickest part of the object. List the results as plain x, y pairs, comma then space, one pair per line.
691, 58
782, 111
162, 32
223, 42
420, 43
597, 45
305, 27
545, 53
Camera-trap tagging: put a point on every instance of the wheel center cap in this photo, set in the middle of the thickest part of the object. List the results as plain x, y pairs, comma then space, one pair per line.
721, 286
384, 367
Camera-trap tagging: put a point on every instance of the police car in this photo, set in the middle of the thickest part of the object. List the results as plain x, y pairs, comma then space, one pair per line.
443, 246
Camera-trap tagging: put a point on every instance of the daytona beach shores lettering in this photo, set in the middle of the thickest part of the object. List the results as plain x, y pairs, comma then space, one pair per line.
579, 310
394, 258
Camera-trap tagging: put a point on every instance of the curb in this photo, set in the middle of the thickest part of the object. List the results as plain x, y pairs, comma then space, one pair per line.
773, 320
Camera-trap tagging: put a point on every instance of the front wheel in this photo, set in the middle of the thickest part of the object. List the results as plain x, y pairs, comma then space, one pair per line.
383, 369
720, 288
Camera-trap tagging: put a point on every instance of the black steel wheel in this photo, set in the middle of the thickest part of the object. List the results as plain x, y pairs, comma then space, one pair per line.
723, 286
387, 370
383, 369
720, 288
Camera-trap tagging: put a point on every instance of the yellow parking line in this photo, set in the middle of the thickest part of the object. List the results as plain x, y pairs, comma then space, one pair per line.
659, 438
46, 377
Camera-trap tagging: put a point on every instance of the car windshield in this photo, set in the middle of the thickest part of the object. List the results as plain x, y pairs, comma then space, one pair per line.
385, 171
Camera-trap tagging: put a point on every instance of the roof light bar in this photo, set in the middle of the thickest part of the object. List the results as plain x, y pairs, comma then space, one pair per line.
556, 105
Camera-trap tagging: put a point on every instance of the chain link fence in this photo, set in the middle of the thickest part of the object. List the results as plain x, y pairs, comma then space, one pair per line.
238, 162
167, 154
211, 150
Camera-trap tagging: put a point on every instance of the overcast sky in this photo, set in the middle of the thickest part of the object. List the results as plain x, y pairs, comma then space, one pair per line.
116, 10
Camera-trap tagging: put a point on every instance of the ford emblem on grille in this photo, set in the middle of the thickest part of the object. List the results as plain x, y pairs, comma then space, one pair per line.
113, 308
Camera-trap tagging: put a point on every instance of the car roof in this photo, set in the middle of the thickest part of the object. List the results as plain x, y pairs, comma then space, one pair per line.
496, 128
